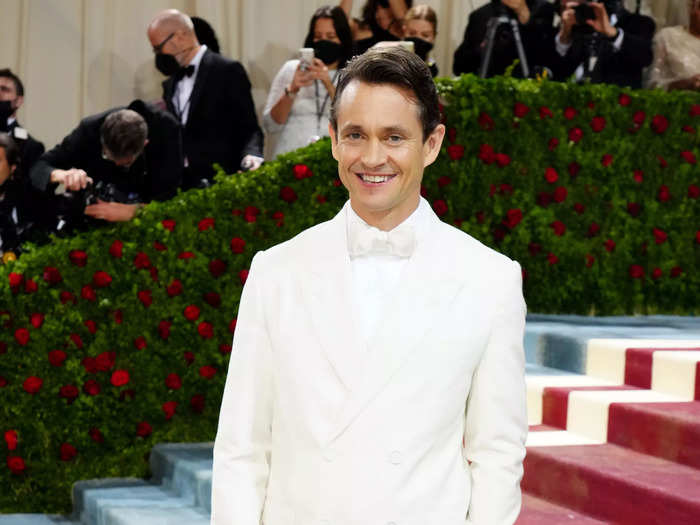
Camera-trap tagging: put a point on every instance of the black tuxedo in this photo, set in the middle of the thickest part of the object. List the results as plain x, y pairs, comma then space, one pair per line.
468, 56
155, 175
30, 149
221, 123
623, 67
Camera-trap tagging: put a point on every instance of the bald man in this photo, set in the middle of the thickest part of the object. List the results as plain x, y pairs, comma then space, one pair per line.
210, 96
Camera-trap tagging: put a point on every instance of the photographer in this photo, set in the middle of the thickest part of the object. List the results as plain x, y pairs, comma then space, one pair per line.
111, 164
602, 42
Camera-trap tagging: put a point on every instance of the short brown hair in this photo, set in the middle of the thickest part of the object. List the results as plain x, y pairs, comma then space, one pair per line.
422, 12
123, 133
398, 67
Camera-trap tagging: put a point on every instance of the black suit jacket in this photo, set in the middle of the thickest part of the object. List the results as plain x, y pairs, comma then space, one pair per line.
155, 175
30, 150
221, 123
623, 67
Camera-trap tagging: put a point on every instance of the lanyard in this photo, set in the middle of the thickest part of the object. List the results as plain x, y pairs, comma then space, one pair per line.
320, 109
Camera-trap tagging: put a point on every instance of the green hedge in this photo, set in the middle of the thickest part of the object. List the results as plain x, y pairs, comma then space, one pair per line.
118, 339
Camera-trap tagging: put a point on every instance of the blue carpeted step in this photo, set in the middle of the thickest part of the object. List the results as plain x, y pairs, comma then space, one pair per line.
35, 519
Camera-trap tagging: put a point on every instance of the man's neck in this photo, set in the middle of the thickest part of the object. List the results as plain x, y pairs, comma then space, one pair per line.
386, 220
190, 56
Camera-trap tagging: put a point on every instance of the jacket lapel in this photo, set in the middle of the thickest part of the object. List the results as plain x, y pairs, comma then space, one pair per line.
200, 81
168, 88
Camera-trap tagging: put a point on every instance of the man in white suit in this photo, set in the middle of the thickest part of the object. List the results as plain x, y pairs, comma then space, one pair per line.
377, 375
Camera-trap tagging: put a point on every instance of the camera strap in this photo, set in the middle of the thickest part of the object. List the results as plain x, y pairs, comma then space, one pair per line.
322, 107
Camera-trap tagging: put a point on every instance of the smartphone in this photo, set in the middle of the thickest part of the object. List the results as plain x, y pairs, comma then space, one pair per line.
306, 57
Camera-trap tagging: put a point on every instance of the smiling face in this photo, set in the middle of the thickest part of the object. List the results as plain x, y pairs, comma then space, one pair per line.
380, 151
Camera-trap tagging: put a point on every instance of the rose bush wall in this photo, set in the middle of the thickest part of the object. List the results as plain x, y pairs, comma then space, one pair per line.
117, 339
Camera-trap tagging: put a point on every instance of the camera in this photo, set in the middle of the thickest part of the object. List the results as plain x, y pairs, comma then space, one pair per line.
71, 204
583, 12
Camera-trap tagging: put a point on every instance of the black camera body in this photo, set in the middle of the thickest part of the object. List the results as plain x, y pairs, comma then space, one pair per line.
71, 204
584, 12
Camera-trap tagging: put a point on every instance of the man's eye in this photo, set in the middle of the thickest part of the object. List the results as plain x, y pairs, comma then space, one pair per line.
354, 136
395, 138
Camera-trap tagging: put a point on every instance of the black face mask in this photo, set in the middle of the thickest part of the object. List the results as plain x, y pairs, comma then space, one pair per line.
6, 110
327, 51
167, 64
420, 46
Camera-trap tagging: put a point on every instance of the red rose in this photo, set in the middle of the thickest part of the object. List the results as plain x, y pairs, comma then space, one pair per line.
37, 320
77, 341
207, 372
638, 176
444, 181
636, 271
278, 217
145, 297
545, 112
159, 246
16, 280
191, 313
115, 250
141, 261
689, 129
662, 161
52, 275
502, 159
168, 224
591, 105
101, 279
560, 194
186, 255
534, 248
575, 135
90, 325
225, 349
609, 245
243, 276
3, 382
118, 316
689, 157
590, 260
78, 257
68, 392
659, 124
212, 299
660, 236
558, 227
543, 199
656, 273
3, 347
91, 387
11, 439
606, 160
57, 357
169, 408
90, 365
217, 268
638, 118
67, 297
455, 151
88, 293
287, 194
485, 122
140, 343
598, 124
513, 218
634, 209
22, 336
574, 169
624, 99
164, 329
694, 110
232, 324
32, 384
173, 382
569, 113
321, 199
189, 357
593, 229
105, 361
197, 403
676, 271
693, 191
487, 154
237, 245
175, 288
250, 214
206, 330
96, 435
553, 143
520, 110
499, 233
119, 378
154, 273
301, 171
206, 224
30, 286
664, 193
440, 207
480, 216
552, 259
144, 429
15, 464
551, 175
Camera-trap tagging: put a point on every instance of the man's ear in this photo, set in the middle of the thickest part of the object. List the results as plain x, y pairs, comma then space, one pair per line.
334, 141
431, 147
20, 101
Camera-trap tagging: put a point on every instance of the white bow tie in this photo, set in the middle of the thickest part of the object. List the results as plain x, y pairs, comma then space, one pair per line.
368, 240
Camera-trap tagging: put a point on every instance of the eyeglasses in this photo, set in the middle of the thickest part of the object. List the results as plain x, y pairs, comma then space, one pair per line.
159, 47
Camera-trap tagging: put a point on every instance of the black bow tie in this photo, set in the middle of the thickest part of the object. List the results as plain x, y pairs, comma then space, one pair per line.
184, 72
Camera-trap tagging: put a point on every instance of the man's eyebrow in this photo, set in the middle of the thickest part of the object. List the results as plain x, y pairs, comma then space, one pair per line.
395, 130
351, 128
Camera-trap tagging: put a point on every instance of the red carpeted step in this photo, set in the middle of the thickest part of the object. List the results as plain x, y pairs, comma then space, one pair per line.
666, 430
555, 402
614, 483
639, 364
536, 511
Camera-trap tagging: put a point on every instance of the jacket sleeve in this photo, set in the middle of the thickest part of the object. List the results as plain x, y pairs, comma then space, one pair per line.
496, 418
243, 440
251, 134
467, 57
63, 156
165, 159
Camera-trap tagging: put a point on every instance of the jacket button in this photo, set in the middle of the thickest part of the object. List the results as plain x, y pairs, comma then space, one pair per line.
395, 458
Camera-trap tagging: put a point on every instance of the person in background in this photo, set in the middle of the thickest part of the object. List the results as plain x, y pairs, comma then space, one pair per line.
14, 204
299, 101
210, 96
381, 21
676, 62
420, 27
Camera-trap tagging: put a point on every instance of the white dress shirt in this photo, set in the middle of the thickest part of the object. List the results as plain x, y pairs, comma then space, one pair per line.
375, 276
183, 89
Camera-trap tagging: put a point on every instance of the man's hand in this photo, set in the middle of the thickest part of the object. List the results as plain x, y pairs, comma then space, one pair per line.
601, 22
520, 8
73, 179
251, 162
568, 21
319, 71
112, 211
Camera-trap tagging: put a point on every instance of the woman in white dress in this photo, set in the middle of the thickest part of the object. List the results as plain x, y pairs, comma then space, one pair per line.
676, 62
298, 105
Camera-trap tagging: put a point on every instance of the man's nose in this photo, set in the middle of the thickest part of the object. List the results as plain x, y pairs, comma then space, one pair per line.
374, 154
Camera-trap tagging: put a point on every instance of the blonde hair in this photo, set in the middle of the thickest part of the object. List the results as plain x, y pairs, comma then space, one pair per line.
427, 13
